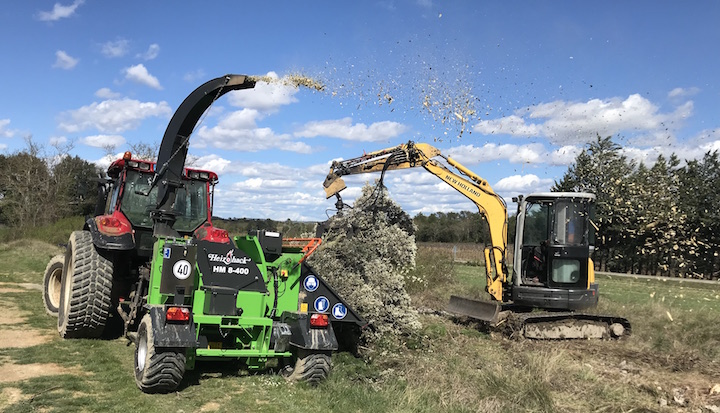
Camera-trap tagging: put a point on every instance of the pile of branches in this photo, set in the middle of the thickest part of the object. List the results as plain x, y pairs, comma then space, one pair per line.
367, 252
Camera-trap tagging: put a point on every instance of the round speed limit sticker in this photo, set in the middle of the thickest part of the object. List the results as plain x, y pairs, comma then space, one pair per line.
182, 269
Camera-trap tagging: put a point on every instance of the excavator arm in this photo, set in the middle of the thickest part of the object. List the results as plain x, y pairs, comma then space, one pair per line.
473, 187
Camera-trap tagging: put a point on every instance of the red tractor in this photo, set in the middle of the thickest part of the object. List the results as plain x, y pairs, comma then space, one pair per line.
114, 248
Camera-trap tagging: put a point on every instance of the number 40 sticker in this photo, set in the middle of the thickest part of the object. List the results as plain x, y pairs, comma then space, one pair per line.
182, 269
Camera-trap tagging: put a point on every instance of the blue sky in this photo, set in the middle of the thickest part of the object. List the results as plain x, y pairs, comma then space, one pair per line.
533, 82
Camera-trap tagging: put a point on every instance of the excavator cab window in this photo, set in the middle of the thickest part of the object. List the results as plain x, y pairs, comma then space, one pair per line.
570, 241
569, 226
535, 239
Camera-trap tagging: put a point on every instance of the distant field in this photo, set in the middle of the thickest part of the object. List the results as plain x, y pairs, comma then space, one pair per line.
669, 364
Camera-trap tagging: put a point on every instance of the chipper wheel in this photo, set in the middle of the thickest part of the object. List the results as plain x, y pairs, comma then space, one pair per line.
309, 367
52, 282
156, 370
86, 287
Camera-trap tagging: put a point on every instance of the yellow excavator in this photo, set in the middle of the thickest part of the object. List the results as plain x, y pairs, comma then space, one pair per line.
552, 269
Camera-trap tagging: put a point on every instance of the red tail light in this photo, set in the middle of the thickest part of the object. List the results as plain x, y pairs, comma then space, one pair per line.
112, 225
319, 320
177, 314
219, 233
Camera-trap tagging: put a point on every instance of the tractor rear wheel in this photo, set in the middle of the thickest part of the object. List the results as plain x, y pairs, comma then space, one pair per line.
86, 287
156, 370
52, 282
310, 367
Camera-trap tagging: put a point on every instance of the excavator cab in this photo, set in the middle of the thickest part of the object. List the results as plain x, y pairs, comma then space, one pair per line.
554, 240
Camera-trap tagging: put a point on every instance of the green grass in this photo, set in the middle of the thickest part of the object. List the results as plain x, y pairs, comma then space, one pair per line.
25, 260
449, 366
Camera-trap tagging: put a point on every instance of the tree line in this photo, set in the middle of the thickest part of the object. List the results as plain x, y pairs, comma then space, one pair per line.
37, 189
662, 219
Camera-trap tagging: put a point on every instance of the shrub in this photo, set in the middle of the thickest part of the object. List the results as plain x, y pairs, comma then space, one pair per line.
366, 254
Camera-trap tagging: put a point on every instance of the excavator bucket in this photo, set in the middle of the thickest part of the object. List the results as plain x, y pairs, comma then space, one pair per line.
479, 310
333, 184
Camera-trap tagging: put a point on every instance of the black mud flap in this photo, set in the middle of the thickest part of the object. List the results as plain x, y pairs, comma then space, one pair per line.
170, 334
306, 337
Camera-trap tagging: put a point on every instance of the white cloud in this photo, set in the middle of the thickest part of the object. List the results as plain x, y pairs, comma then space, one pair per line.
264, 97
151, 53
104, 162
692, 150
59, 11
222, 166
523, 184
565, 155
359, 132
238, 131
117, 48
103, 141
64, 60
57, 140
4, 131
140, 74
679, 92
194, 76
106, 93
112, 116
3, 146
572, 122
533, 153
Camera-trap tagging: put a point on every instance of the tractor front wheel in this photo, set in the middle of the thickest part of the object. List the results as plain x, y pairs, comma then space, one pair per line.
52, 282
310, 367
156, 370
86, 287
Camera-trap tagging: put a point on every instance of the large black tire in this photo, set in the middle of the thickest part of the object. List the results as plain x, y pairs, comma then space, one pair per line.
156, 370
310, 367
86, 298
52, 284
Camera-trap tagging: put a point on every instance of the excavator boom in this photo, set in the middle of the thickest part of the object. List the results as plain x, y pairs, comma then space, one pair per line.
472, 186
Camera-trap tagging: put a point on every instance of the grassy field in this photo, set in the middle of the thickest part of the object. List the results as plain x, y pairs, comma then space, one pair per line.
670, 363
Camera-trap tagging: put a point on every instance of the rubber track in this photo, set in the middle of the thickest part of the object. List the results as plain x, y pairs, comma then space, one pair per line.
165, 367
539, 317
90, 298
312, 368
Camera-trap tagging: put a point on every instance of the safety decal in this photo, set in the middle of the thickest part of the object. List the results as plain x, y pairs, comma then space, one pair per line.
182, 269
339, 311
166, 252
311, 283
321, 304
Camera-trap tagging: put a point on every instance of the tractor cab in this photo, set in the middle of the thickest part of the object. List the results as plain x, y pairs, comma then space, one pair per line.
553, 244
124, 220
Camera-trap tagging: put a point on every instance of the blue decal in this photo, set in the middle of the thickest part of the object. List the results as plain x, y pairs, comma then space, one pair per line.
166, 252
339, 311
321, 304
311, 283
